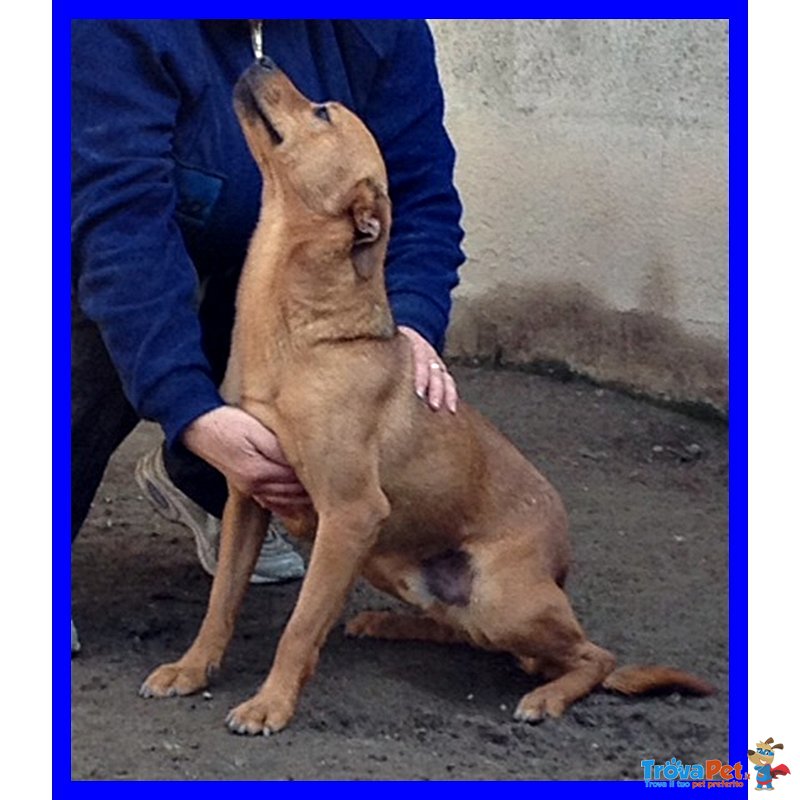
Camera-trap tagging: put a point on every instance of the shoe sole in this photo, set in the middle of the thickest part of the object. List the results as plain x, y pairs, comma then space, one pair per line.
289, 567
173, 511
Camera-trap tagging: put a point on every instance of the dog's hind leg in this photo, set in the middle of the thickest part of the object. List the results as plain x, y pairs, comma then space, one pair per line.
584, 667
403, 627
539, 628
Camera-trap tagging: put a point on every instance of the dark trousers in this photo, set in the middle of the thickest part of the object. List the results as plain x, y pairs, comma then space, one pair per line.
102, 416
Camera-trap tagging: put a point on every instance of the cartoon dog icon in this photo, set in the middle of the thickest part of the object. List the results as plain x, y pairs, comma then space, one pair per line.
762, 757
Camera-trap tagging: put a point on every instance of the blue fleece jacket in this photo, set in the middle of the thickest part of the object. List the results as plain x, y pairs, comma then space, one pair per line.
166, 194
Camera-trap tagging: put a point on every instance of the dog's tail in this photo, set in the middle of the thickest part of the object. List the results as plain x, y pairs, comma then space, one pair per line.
656, 680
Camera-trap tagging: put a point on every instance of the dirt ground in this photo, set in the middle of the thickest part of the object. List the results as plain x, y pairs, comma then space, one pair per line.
647, 493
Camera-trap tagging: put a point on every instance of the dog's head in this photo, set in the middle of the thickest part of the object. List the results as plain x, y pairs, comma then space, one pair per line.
764, 753
320, 156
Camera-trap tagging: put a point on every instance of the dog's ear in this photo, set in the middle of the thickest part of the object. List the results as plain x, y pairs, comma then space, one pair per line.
371, 213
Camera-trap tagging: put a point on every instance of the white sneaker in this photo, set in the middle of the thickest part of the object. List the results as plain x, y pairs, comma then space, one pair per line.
278, 560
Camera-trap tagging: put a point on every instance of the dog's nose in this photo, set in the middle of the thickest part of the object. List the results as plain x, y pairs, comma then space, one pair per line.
265, 62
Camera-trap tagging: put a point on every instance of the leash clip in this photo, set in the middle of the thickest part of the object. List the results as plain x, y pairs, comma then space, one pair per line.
256, 39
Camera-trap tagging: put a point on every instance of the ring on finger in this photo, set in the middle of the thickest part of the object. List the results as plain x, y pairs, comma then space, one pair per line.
435, 365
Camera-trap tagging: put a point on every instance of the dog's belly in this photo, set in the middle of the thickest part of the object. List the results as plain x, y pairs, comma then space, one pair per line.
454, 482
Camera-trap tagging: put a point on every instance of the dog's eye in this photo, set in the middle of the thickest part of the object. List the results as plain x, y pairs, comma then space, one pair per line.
321, 112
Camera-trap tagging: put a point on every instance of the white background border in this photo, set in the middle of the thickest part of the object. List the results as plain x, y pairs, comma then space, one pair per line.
773, 439
774, 442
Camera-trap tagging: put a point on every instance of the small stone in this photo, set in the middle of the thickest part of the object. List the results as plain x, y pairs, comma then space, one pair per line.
593, 455
679, 538
694, 449
207, 695
470, 696
658, 448
503, 707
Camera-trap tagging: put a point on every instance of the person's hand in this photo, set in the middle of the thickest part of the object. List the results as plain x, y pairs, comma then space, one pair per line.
431, 377
249, 455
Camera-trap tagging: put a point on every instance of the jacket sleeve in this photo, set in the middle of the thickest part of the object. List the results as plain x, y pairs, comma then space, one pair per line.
134, 277
405, 112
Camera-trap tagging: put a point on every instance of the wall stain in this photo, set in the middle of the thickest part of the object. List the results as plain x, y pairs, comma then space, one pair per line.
565, 329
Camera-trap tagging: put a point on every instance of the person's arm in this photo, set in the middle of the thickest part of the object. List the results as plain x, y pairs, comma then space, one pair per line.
405, 112
134, 277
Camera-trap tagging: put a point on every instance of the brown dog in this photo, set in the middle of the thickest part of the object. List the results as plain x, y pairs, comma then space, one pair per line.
435, 508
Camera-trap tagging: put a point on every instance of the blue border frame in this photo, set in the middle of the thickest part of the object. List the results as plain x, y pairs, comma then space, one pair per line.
737, 328
736, 12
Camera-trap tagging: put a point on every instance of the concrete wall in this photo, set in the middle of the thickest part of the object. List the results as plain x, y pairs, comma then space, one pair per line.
593, 168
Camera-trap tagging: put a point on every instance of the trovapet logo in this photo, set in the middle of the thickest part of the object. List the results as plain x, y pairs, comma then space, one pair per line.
714, 774
708, 774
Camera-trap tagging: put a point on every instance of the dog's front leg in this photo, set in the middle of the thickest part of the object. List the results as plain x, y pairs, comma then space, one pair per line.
344, 538
244, 524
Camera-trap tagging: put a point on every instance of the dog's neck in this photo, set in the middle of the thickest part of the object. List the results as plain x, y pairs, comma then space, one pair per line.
299, 282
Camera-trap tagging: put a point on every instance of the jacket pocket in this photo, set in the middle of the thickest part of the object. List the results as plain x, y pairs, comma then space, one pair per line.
198, 192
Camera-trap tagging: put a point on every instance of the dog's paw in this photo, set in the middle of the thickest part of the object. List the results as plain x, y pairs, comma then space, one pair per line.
262, 714
174, 679
539, 704
366, 623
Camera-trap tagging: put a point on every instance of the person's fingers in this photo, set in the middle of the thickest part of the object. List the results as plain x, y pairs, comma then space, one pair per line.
271, 472
450, 393
421, 353
261, 474
421, 372
266, 443
276, 503
435, 385
281, 489
431, 378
